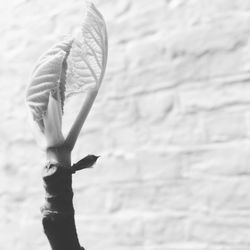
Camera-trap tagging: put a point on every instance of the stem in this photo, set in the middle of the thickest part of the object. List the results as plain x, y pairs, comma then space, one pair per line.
59, 154
58, 210
80, 119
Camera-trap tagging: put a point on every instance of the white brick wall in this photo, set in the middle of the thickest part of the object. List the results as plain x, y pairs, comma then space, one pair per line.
171, 123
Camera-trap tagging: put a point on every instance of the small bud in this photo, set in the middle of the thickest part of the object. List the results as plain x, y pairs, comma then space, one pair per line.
86, 162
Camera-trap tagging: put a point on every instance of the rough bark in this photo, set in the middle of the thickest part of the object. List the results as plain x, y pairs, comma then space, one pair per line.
58, 211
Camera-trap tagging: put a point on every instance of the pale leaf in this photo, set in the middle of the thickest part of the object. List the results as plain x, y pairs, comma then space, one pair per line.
88, 55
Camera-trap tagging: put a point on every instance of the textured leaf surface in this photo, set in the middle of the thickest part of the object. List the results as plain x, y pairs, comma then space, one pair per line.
88, 56
71, 66
46, 79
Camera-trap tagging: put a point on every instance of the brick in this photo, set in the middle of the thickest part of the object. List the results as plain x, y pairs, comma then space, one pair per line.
229, 230
159, 165
225, 126
178, 130
227, 160
124, 138
217, 95
160, 229
122, 112
154, 107
222, 195
171, 195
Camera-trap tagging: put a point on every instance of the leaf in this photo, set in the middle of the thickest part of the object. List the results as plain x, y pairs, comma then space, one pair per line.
46, 79
71, 66
88, 56
45, 94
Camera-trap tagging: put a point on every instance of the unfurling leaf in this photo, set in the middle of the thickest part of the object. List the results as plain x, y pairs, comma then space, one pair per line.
88, 56
46, 79
74, 65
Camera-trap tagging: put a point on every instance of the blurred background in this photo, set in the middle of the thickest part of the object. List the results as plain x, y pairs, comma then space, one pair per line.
171, 123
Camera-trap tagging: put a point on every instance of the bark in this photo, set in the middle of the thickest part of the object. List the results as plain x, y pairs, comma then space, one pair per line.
58, 211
